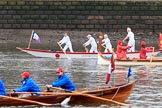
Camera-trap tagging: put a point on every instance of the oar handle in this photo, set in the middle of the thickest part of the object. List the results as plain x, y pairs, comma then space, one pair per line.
57, 88
26, 100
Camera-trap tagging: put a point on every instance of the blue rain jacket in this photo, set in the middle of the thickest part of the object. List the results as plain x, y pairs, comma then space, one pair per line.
64, 82
2, 88
28, 85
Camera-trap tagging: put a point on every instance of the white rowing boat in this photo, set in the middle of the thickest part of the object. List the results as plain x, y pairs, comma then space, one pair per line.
60, 54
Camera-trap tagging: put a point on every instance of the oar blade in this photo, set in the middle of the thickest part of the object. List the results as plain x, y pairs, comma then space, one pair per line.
65, 101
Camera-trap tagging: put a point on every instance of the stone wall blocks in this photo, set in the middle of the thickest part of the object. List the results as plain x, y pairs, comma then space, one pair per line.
25, 17
15, 26
7, 25
98, 26
107, 8
11, 12
19, 21
130, 22
52, 17
150, 22
85, 22
53, 26
20, 3
71, 26
81, 17
81, 8
63, 8
80, 26
76, 3
26, 26
43, 26
75, 12
7, 16
66, 12
34, 25
87, 14
99, 8
43, 17
57, 12
94, 21
36, 17
16, 17
4, 3
89, 26
157, 22
62, 26
71, 8
1, 17
34, 8
75, 21
43, 7
3, 21
102, 21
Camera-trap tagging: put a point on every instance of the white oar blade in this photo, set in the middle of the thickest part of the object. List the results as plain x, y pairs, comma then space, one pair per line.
65, 101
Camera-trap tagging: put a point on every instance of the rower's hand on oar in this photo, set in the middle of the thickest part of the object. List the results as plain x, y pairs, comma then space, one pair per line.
124, 41
13, 91
59, 43
84, 45
48, 86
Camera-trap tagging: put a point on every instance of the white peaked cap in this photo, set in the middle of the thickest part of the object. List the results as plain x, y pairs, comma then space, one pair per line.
88, 35
128, 28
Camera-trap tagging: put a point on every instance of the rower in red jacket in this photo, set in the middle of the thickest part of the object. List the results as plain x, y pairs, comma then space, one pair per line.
121, 50
143, 50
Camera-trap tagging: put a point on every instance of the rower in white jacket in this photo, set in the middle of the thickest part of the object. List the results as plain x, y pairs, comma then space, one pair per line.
106, 41
93, 43
66, 40
131, 41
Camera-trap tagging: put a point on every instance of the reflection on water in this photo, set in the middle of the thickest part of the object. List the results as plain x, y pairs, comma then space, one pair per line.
86, 74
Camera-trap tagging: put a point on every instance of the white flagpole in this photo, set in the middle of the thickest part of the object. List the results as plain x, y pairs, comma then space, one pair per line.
30, 39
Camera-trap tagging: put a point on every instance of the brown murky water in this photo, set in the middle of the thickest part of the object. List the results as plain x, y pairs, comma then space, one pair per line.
86, 74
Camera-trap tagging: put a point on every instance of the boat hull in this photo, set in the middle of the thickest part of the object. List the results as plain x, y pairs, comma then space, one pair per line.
103, 61
118, 93
58, 54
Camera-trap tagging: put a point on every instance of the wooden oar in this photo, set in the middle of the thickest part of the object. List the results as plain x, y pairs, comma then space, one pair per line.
92, 96
74, 93
151, 56
105, 47
26, 100
108, 49
86, 49
63, 51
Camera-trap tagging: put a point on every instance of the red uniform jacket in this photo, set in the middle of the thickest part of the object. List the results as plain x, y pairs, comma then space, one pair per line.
121, 51
143, 53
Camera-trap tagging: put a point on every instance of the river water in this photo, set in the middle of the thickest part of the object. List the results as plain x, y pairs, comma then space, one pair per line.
85, 73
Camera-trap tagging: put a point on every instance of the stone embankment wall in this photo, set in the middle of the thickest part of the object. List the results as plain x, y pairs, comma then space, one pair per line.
79, 17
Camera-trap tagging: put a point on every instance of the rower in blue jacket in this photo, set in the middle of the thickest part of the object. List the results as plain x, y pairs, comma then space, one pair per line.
28, 85
2, 88
62, 81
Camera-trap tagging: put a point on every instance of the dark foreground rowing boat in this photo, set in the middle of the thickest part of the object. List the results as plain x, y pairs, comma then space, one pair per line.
118, 93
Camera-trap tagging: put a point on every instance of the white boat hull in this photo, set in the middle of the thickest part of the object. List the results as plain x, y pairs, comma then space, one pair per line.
55, 54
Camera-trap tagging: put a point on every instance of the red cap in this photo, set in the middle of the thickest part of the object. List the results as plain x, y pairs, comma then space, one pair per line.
119, 42
25, 74
143, 43
59, 69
